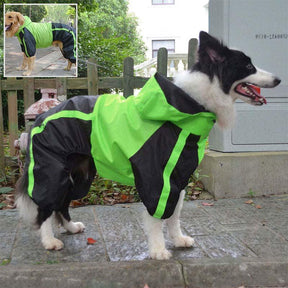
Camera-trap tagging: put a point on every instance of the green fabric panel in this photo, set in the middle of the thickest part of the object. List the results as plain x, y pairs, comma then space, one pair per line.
39, 129
152, 104
112, 148
42, 32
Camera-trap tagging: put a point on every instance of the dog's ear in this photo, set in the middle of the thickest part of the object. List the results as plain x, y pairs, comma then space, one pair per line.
211, 47
20, 18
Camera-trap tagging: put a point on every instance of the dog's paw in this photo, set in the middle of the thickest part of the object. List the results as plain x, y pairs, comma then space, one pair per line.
21, 68
27, 73
53, 244
79, 227
160, 254
74, 227
184, 241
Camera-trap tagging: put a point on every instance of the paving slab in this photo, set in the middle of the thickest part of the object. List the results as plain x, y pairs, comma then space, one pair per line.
236, 244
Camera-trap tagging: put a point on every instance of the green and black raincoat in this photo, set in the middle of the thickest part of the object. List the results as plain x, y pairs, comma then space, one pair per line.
154, 140
32, 35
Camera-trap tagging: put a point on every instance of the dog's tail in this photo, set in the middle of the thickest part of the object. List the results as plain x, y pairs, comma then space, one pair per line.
28, 210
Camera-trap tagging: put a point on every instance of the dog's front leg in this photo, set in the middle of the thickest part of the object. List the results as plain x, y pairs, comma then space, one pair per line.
69, 65
24, 63
156, 242
47, 237
174, 228
72, 227
31, 61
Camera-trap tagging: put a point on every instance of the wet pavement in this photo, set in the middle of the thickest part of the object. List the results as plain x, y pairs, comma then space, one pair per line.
236, 244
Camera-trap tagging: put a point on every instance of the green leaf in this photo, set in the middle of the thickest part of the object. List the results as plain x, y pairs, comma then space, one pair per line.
4, 190
2, 205
5, 262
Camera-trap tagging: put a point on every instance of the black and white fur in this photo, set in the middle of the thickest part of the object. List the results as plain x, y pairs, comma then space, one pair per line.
220, 76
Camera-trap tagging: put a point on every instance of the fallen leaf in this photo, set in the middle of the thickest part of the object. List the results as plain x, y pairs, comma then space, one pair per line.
124, 197
249, 202
76, 203
91, 241
258, 206
207, 204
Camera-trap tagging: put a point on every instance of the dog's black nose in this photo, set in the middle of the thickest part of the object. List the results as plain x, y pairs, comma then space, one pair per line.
277, 81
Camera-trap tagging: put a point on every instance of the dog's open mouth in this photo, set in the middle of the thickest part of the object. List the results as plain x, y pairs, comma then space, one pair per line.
8, 27
251, 91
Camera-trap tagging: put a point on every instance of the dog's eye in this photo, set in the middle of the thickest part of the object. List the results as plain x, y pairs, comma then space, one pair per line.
249, 66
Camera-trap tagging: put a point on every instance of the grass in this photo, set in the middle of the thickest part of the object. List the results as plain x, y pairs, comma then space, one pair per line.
5, 262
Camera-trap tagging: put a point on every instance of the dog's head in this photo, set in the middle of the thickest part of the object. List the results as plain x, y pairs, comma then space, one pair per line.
13, 21
236, 74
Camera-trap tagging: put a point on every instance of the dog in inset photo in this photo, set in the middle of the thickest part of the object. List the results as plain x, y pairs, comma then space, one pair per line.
32, 35
154, 140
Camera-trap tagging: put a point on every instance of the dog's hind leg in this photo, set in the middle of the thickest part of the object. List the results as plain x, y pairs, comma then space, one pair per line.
156, 242
174, 228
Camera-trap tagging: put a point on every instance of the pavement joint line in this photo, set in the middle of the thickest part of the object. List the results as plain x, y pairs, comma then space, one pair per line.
101, 234
183, 274
15, 239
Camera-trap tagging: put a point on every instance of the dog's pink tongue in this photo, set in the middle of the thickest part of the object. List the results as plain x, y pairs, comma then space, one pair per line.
7, 27
257, 91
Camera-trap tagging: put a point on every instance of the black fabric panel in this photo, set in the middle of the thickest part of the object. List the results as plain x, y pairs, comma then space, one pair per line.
149, 162
51, 178
83, 171
177, 97
67, 135
83, 104
186, 165
66, 38
22, 48
53, 148
27, 37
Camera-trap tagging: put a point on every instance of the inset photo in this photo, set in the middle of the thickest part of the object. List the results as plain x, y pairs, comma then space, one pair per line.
40, 40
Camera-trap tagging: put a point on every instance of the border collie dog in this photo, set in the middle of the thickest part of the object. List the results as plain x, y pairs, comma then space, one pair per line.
154, 140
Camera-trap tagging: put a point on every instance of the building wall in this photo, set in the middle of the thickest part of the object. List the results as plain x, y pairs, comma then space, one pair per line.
180, 21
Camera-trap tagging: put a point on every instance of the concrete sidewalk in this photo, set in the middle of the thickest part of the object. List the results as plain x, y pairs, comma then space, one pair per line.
237, 244
49, 61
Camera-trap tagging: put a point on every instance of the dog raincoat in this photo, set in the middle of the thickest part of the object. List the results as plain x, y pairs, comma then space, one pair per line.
154, 140
33, 35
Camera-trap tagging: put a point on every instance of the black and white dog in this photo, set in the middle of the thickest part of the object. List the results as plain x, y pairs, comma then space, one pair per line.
220, 76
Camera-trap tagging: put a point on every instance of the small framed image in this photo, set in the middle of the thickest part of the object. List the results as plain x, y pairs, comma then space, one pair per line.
40, 40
